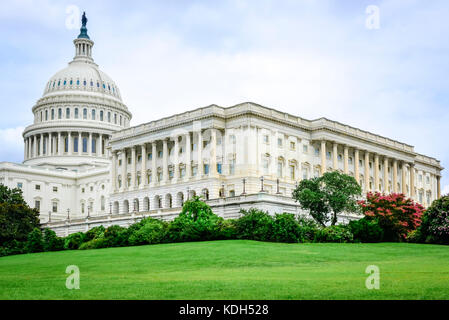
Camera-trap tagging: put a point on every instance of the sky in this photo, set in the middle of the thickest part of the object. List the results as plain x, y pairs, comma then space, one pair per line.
381, 66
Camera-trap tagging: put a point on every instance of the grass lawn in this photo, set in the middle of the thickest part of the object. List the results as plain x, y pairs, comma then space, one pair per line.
234, 269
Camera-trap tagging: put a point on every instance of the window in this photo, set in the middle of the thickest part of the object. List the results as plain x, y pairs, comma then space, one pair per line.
292, 172
91, 189
82, 190
279, 142
139, 158
46, 115
219, 168
427, 179
54, 206
52, 114
76, 113
93, 114
265, 166
206, 169
305, 149
182, 172
115, 118
94, 145
170, 174
109, 116
292, 145
55, 189
350, 160
232, 167
194, 171
75, 145
59, 113
266, 139
37, 205
193, 146
120, 120
205, 144
160, 154
328, 155
420, 179
67, 113
232, 139
305, 173
84, 113
279, 169
101, 115
84, 144
82, 207
150, 156
37, 187
19, 185
317, 151
129, 160
120, 162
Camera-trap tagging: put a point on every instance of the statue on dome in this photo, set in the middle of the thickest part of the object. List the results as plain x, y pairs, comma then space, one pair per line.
84, 19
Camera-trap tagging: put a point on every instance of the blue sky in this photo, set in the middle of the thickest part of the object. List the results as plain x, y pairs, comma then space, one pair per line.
309, 58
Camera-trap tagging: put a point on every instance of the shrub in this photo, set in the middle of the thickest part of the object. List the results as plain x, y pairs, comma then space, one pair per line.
34, 241
196, 222
366, 230
96, 243
254, 224
336, 233
51, 241
74, 240
226, 229
285, 228
95, 233
396, 214
435, 222
309, 228
116, 236
152, 231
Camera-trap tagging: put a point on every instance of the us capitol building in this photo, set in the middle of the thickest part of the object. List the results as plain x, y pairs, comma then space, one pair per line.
85, 166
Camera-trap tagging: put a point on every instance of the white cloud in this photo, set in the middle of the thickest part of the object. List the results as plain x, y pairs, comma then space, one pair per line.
445, 190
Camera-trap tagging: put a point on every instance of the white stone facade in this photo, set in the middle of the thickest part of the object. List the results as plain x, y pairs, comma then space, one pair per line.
84, 166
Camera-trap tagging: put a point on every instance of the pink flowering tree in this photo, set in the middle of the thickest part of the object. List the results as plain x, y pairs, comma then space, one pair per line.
396, 214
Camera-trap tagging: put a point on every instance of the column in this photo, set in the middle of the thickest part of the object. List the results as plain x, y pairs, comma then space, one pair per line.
143, 173
25, 152
100, 145
213, 153
346, 159
404, 178
356, 166
41, 145
412, 180
200, 155
385, 174
48, 153
59, 144
438, 187
153, 163
323, 156
80, 146
395, 176
176, 160
367, 174
69, 143
188, 157
133, 167
376, 172
114, 171
165, 161
30, 150
335, 156
89, 147
124, 164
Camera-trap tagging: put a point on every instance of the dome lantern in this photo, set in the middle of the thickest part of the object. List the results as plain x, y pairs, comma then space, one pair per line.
83, 44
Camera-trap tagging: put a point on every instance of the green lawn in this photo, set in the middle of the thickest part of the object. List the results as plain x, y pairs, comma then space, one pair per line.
232, 270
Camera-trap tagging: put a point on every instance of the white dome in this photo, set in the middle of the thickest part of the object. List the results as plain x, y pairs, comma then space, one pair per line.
83, 76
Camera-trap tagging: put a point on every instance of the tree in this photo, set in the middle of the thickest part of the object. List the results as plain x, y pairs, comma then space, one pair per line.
435, 222
17, 219
396, 214
327, 196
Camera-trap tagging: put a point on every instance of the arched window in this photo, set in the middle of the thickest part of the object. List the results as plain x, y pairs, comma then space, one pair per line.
84, 113
52, 114
59, 113
76, 113
102, 203
109, 116
93, 114
115, 118
101, 115
67, 113
84, 144
75, 144
94, 145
